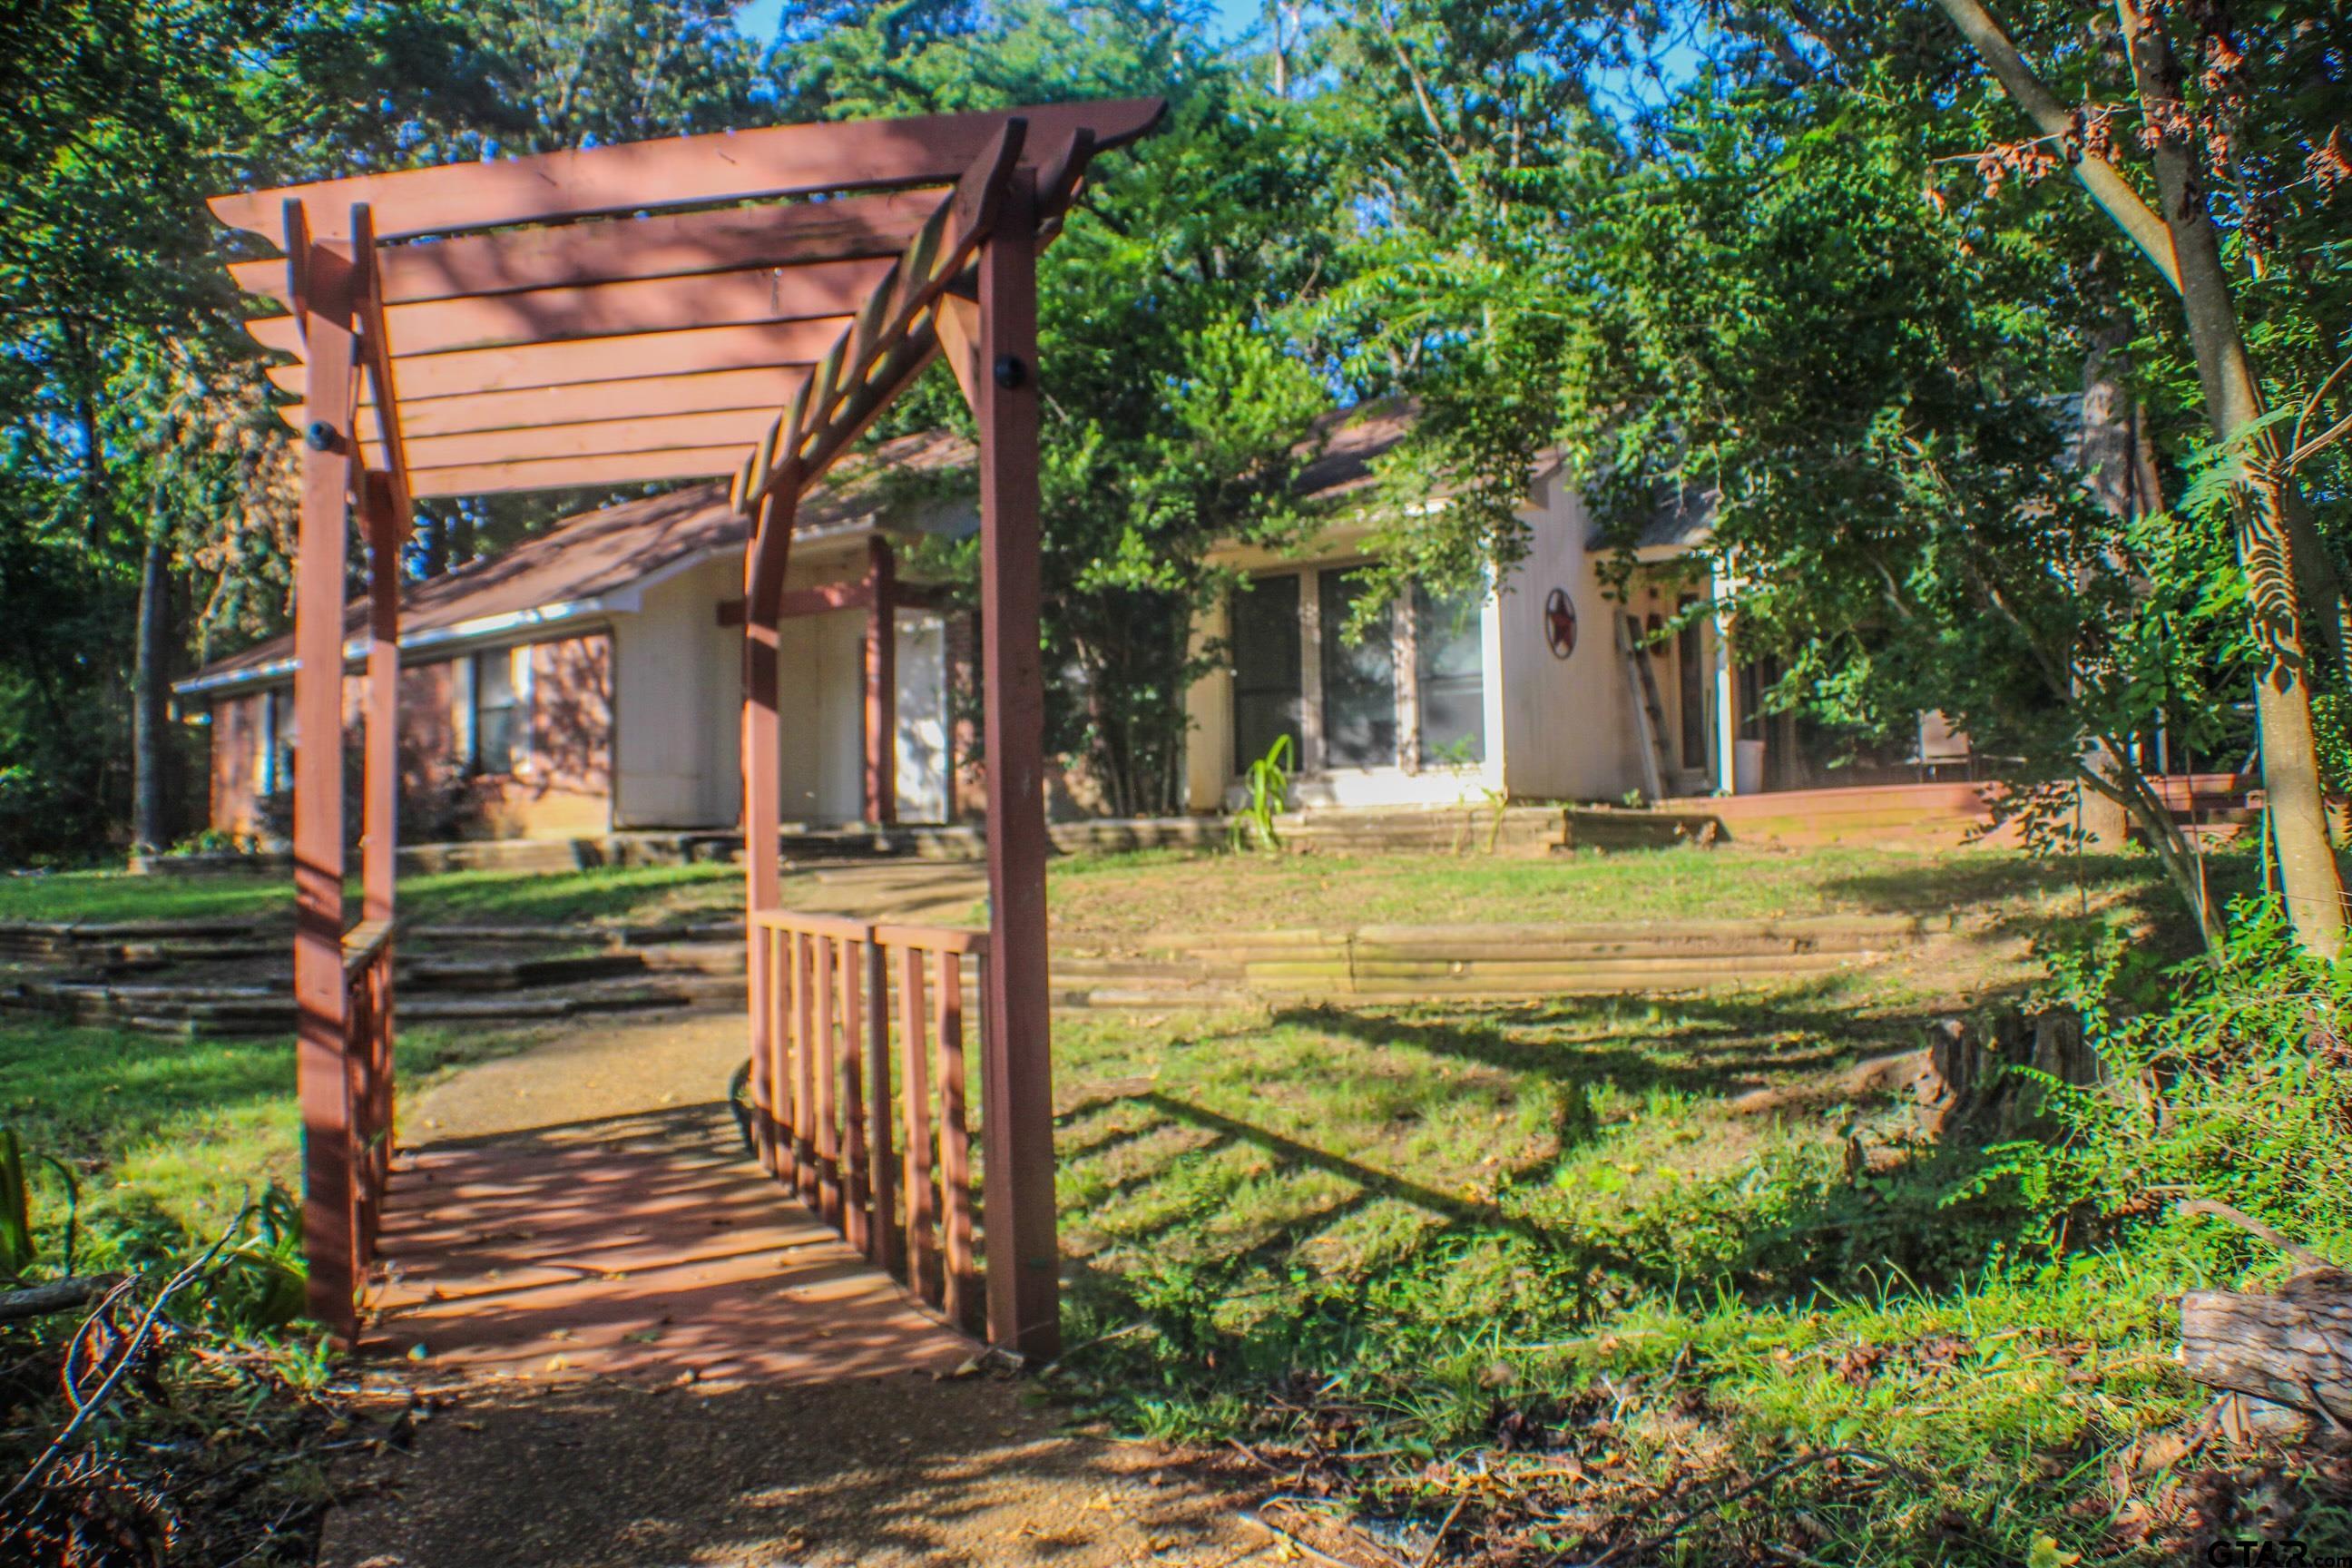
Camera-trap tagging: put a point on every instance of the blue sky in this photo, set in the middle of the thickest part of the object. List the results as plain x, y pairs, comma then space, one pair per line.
758, 19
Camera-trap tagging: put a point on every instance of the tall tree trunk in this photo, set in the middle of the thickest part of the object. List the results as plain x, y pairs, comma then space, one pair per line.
2276, 580
151, 812
2183, 246
2109, 458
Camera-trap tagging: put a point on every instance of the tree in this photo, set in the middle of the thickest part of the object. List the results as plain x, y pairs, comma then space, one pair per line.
1178, 400
2289, 573
1763, 284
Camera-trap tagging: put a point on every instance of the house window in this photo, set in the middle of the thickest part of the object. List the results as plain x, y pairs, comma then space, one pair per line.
1267, 671
1450, 674
1359, 716
1690, 676
499, 712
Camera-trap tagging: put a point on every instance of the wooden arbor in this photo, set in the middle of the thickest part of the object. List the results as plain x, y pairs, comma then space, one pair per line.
743, 304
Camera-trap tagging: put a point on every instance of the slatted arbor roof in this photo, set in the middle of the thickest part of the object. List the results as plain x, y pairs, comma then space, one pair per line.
739, 305
736, 305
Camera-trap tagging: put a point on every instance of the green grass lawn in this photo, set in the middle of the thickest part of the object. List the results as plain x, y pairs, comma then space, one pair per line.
168, 1137
1126, 898
1132, 897
1388, 1247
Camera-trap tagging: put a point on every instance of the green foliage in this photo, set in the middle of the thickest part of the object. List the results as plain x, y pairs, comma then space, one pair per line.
1268, 783
1403, 1235
2231, 1080
1179, 401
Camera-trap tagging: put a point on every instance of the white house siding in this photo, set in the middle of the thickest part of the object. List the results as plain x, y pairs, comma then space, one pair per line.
921, 779
664, 705
1569, 730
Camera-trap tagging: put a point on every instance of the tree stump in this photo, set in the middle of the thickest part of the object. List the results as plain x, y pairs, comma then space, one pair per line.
2293, 1347
1967, 1089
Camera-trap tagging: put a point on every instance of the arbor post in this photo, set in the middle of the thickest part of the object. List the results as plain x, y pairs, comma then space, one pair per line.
322, 1072
1024, 1255
762, 794
379, 830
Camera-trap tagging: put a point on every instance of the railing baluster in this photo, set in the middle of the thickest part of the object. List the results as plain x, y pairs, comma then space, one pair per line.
915, 1067
776, 1109
828, 1153
805, 1170
961, 1293
883, 1242
759, 978
856, 1221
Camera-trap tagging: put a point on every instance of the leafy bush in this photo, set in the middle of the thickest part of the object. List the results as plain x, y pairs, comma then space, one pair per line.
2228, 1079
1268, 782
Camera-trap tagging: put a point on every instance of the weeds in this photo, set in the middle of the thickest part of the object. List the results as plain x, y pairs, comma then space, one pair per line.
1526, 1274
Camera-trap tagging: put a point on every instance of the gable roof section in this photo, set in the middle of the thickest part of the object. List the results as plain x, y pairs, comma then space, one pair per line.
1355, 439
580, 566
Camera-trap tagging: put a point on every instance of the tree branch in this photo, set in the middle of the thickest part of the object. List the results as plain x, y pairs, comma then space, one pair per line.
2108, 188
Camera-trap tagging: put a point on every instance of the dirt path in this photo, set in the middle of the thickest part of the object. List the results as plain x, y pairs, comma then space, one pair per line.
639, 1354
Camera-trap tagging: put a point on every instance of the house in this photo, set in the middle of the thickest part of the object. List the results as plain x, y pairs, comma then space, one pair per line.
1562, 680
590, 680
1565, 679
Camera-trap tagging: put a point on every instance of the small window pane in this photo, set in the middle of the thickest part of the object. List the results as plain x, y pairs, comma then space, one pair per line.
1451, 671
1359, 719
495, 714
1267, 669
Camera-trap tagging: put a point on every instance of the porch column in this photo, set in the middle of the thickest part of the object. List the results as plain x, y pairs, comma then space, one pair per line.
1024, 1255
330, 1232
1727, 690
881, 683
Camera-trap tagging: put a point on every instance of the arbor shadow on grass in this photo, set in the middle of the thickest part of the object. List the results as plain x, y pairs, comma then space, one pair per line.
1828, 1228
1731, 1043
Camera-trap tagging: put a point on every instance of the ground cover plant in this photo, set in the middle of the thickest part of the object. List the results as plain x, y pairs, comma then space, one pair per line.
1666, 1281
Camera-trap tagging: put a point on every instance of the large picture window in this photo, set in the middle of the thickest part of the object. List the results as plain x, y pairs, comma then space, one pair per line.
1266, 670
1359, 717
497, 713
1450, 675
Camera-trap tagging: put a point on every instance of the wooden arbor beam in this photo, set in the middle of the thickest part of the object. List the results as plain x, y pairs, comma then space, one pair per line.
559, 473
888, 344
685, 171
582, 362
759, 390
685, 245
610, 436
749, 298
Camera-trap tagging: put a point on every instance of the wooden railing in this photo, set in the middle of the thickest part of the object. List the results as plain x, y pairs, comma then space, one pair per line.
367, 1057
860, 1092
